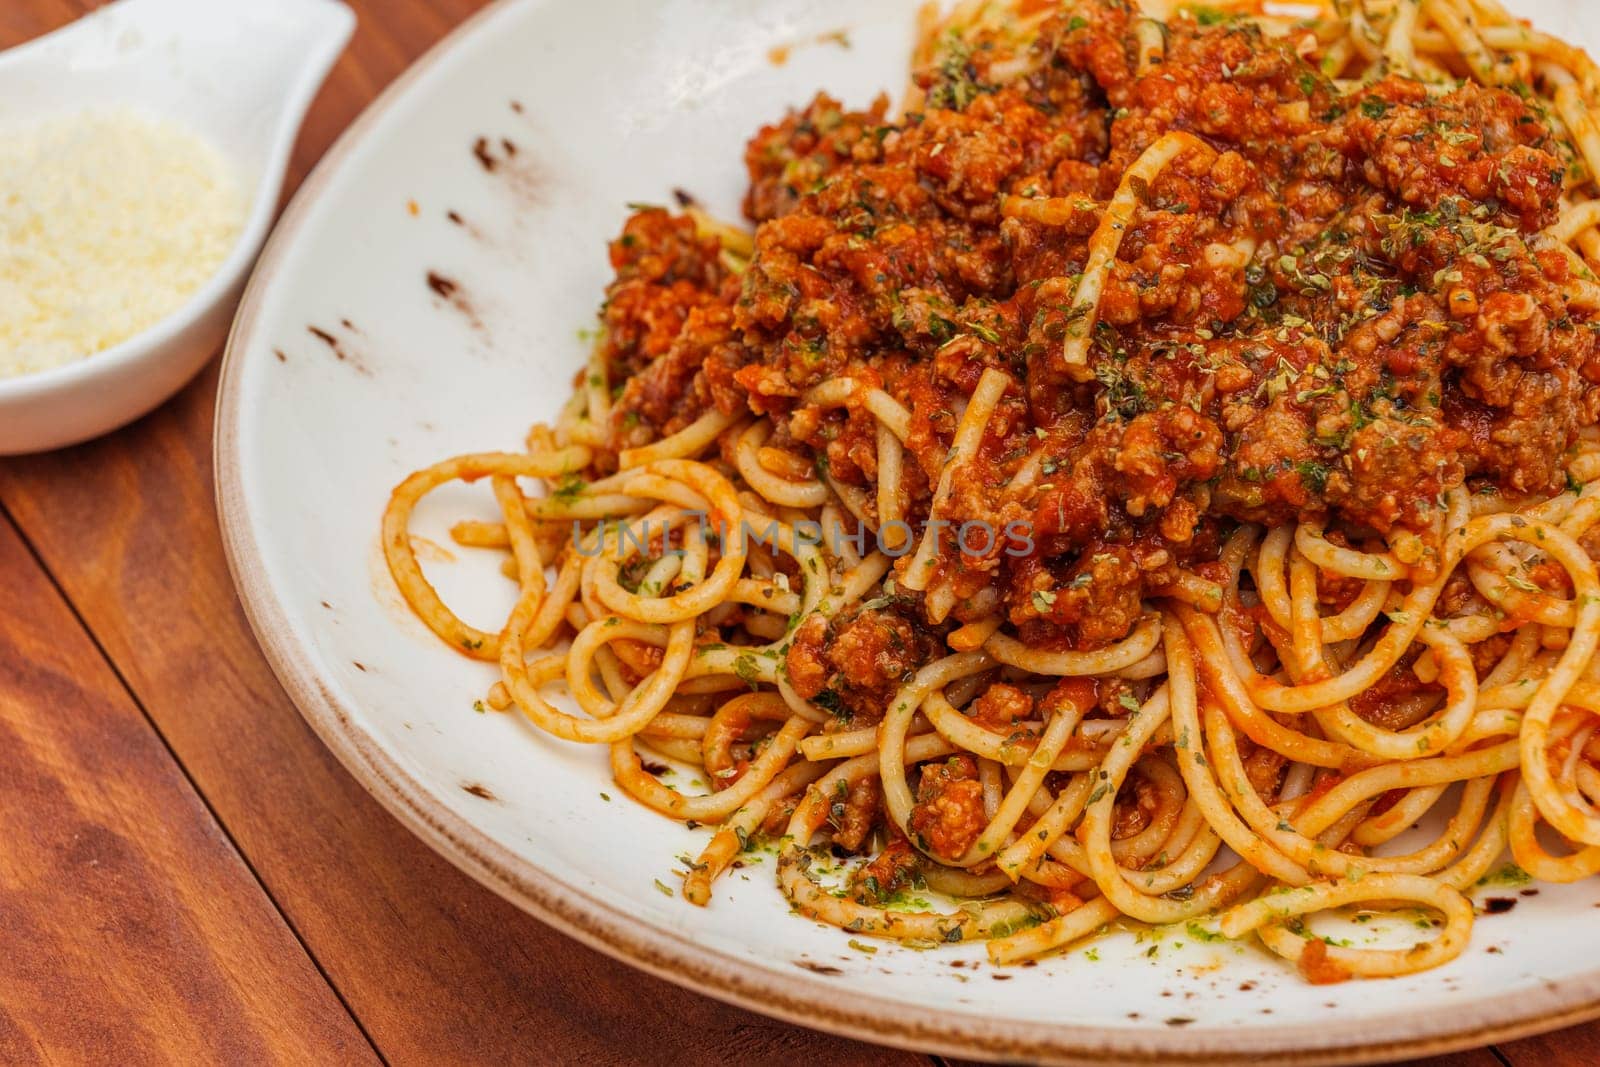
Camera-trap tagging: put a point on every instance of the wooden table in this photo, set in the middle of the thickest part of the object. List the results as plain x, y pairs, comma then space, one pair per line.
186, 874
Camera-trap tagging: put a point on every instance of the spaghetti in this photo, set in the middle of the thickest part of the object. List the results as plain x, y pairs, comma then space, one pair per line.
1140, 481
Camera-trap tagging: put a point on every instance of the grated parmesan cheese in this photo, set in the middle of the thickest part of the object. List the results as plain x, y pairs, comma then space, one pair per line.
109, 221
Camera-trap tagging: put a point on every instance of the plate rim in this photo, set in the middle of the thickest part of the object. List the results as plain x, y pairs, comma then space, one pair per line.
667, 954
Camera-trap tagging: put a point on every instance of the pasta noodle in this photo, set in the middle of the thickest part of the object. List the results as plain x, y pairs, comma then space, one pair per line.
1223, 697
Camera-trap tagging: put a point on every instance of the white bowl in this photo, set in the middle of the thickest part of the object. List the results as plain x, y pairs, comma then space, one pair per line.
239, 73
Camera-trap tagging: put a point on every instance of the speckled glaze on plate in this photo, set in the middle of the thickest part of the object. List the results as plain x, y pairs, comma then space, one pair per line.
425, 296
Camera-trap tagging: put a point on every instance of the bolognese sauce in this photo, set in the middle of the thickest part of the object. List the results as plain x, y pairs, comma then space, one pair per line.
1335, 303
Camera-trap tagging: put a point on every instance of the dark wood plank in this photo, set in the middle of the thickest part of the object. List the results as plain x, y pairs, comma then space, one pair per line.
134, 932
1481, 1057
1578, 1046
22, 21
435, 967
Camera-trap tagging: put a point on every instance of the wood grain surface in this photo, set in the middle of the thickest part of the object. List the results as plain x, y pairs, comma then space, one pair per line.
187, 874
136, 932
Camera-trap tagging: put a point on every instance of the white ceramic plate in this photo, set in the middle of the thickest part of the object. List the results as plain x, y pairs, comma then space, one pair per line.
346, 371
